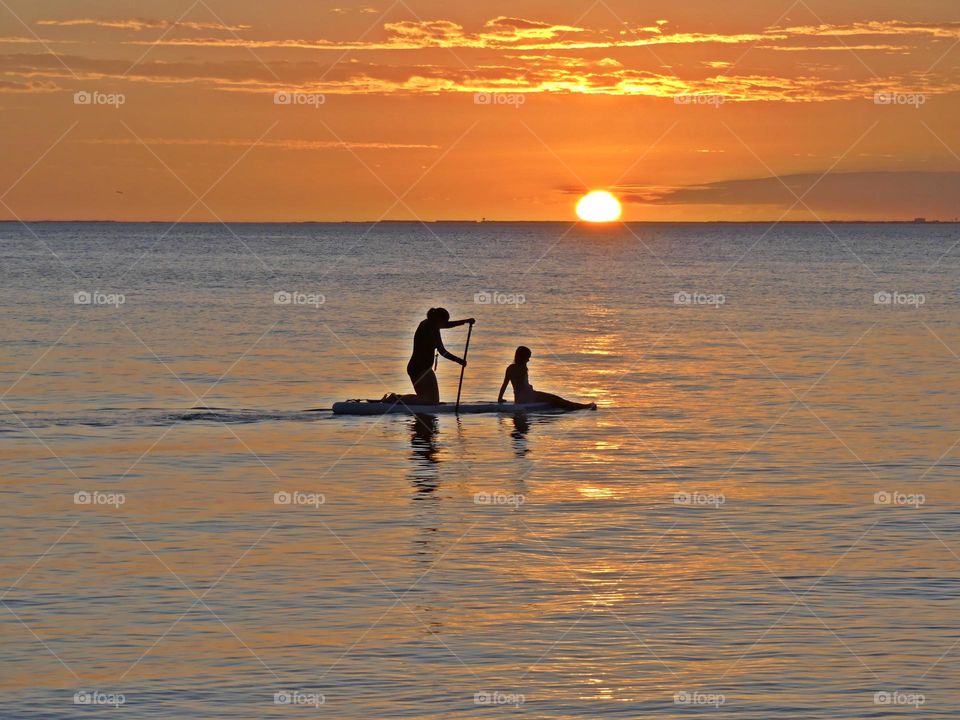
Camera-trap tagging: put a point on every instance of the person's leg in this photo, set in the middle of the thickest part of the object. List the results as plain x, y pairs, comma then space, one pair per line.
560, 402
429, 389
426, 387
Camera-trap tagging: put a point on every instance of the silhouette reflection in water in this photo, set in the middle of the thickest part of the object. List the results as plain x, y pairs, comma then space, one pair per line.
425, 478
521, 426
423, 444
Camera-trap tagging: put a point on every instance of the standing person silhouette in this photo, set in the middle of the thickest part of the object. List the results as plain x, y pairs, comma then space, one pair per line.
426, 342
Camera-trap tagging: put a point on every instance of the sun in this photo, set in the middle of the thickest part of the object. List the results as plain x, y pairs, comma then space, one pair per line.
599, 206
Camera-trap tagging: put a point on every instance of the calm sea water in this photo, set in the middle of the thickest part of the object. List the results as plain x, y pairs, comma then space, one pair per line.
760, 521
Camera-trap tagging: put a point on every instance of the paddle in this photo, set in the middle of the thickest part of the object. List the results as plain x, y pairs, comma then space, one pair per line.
463, 367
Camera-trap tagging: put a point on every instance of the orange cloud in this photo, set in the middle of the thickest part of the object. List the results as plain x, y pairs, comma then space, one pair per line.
141, 24
33, 86
875, 27
512, 33
299, 145
532, 75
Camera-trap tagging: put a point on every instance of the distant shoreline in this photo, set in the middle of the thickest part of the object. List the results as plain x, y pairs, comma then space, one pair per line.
481, 222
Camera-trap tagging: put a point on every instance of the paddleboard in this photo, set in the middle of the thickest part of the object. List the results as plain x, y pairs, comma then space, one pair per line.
376, 407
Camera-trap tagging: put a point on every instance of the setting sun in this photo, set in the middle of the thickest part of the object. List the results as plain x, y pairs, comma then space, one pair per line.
599, 206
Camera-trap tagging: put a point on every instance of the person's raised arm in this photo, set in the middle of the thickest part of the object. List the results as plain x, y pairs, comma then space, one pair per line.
458, 323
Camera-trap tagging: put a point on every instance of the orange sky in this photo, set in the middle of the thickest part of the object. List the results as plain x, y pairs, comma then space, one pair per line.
747, 110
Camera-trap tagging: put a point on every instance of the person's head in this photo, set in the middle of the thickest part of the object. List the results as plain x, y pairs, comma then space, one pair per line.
438, 316
522, 355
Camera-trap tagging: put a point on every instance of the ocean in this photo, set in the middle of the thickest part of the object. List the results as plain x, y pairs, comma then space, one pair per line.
760, 520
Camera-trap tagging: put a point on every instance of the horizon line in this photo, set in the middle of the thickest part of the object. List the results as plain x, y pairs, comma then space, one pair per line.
914, 221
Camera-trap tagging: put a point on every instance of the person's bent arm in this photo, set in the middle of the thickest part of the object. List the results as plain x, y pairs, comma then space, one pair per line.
506, 381
447, 354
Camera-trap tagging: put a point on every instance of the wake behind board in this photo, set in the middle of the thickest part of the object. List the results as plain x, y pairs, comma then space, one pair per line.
376, 407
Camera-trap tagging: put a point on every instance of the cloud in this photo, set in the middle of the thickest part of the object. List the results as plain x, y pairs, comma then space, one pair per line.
138, 24
299, 145
513, 33
364, 10
889, 28
33, 86
904, 193
501, 33
533, 75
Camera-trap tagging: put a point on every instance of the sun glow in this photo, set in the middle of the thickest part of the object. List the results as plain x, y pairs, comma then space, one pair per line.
599, 206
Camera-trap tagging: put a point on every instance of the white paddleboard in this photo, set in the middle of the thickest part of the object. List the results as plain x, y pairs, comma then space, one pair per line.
375, 407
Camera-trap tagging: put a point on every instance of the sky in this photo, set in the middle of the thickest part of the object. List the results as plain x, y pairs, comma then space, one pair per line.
240, 110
